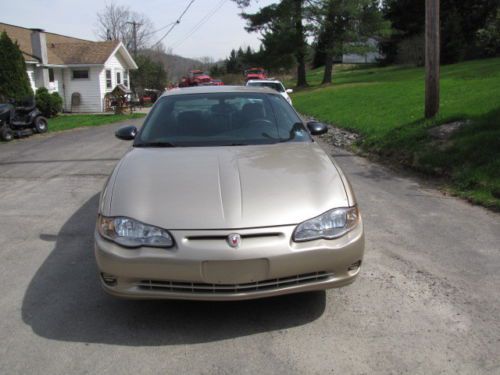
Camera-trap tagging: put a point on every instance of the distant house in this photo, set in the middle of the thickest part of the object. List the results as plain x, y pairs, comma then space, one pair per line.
371, 56
81, 71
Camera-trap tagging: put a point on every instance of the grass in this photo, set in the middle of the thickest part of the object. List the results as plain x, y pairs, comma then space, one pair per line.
386, 105
66, 122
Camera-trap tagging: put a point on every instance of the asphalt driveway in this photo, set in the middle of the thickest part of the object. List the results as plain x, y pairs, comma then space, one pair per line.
427, 301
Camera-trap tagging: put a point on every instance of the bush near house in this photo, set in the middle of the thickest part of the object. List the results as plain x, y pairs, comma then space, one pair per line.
14, 81
49, 104
386, 106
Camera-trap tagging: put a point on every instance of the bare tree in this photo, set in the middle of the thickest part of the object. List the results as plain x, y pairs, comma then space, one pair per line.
115, 22
206, 62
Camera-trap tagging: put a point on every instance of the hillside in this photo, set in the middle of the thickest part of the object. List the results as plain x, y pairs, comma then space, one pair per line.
385, 106
176, 66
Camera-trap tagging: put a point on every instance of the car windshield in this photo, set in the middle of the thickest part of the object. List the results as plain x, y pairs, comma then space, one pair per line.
274, 85
221, 119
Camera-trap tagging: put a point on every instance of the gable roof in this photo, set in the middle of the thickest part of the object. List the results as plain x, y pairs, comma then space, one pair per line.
61, 49
81, 53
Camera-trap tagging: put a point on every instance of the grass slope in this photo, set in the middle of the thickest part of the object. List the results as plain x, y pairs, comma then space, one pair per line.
66, 122
386, 106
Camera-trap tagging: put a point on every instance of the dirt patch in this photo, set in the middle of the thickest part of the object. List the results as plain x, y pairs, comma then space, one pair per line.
445, 132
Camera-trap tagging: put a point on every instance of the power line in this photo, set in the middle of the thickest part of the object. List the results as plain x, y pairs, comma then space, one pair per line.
174, 24
160, 29
201, 23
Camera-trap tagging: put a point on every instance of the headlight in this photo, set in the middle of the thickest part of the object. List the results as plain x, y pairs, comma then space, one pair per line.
132, 233
332, 224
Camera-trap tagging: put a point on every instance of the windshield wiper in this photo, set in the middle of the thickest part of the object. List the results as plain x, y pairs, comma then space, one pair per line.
155, 144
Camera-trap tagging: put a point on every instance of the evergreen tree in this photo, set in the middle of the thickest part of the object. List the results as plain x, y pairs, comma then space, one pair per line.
345, 27
460, 22
232, 63
150, 75
284, 32
14, 81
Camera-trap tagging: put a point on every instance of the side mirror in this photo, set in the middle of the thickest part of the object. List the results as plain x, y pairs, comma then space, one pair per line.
126, 133
289, 91
317, 128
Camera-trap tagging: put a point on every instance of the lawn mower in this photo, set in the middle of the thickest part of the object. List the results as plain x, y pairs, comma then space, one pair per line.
21, 119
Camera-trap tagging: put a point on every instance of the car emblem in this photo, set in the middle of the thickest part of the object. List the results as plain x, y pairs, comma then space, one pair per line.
234, 240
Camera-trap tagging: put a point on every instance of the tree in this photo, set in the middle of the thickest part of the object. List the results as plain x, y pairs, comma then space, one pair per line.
282, 26
346, 26
150, 75
115, 23
460, 21
488, 38
232, 62
14, 81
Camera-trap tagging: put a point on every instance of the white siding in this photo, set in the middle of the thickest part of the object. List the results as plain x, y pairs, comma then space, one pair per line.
57, 85
30, 69
366, 58
116, 64
89, 89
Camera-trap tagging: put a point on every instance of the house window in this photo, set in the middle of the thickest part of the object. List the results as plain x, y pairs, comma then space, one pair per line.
118, 78
109, 83
81, 74
125, 78
51, 75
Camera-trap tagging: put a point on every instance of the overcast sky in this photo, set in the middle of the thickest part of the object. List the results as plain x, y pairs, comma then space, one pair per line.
222, 32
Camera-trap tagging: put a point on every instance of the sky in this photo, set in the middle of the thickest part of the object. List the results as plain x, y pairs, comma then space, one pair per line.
215, 38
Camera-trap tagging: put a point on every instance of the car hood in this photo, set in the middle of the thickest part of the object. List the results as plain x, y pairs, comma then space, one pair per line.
225, 187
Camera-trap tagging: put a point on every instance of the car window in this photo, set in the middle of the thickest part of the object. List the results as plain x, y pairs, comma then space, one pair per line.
221, 119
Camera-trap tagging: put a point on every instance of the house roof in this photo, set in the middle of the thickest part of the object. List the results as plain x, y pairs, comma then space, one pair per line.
81, 53
61, 49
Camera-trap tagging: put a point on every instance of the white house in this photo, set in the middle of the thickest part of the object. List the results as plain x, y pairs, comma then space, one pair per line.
370, 56
81, 71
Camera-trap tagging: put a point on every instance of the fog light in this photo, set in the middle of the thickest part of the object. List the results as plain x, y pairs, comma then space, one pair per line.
354, 267
108, 279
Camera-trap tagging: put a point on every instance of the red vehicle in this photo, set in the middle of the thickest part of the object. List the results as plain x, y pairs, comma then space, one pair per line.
196, 78
255, 73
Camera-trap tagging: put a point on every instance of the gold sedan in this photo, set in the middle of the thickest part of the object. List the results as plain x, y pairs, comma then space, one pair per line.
225, 196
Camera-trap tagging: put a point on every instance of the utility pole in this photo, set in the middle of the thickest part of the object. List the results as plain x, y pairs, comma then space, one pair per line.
135, 25
432, 58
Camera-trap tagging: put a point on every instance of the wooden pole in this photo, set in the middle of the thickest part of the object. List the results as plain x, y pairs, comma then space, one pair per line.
432, 58
134, 35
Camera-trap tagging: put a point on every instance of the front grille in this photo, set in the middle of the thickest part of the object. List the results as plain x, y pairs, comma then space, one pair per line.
224, 237
185, 287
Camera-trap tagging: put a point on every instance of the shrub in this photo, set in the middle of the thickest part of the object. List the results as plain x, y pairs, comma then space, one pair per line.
49, 104
488, 39
56, 103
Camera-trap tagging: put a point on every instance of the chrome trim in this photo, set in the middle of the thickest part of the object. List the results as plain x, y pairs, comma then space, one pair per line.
178, 286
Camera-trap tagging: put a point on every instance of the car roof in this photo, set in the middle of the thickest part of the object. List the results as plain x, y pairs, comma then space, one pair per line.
264, 80
218, 89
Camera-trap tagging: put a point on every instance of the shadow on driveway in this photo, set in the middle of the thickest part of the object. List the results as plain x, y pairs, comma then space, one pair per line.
64, 302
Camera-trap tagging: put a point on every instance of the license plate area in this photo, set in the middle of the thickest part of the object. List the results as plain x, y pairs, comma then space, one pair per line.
235, 272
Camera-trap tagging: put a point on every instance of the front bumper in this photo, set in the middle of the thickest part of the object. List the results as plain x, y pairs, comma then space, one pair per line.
202, 266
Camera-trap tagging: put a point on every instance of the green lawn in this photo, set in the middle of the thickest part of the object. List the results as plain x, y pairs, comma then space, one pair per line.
66, 122
385, 105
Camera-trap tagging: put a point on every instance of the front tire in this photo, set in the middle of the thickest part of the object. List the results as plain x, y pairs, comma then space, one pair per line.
6, 134
41, 125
